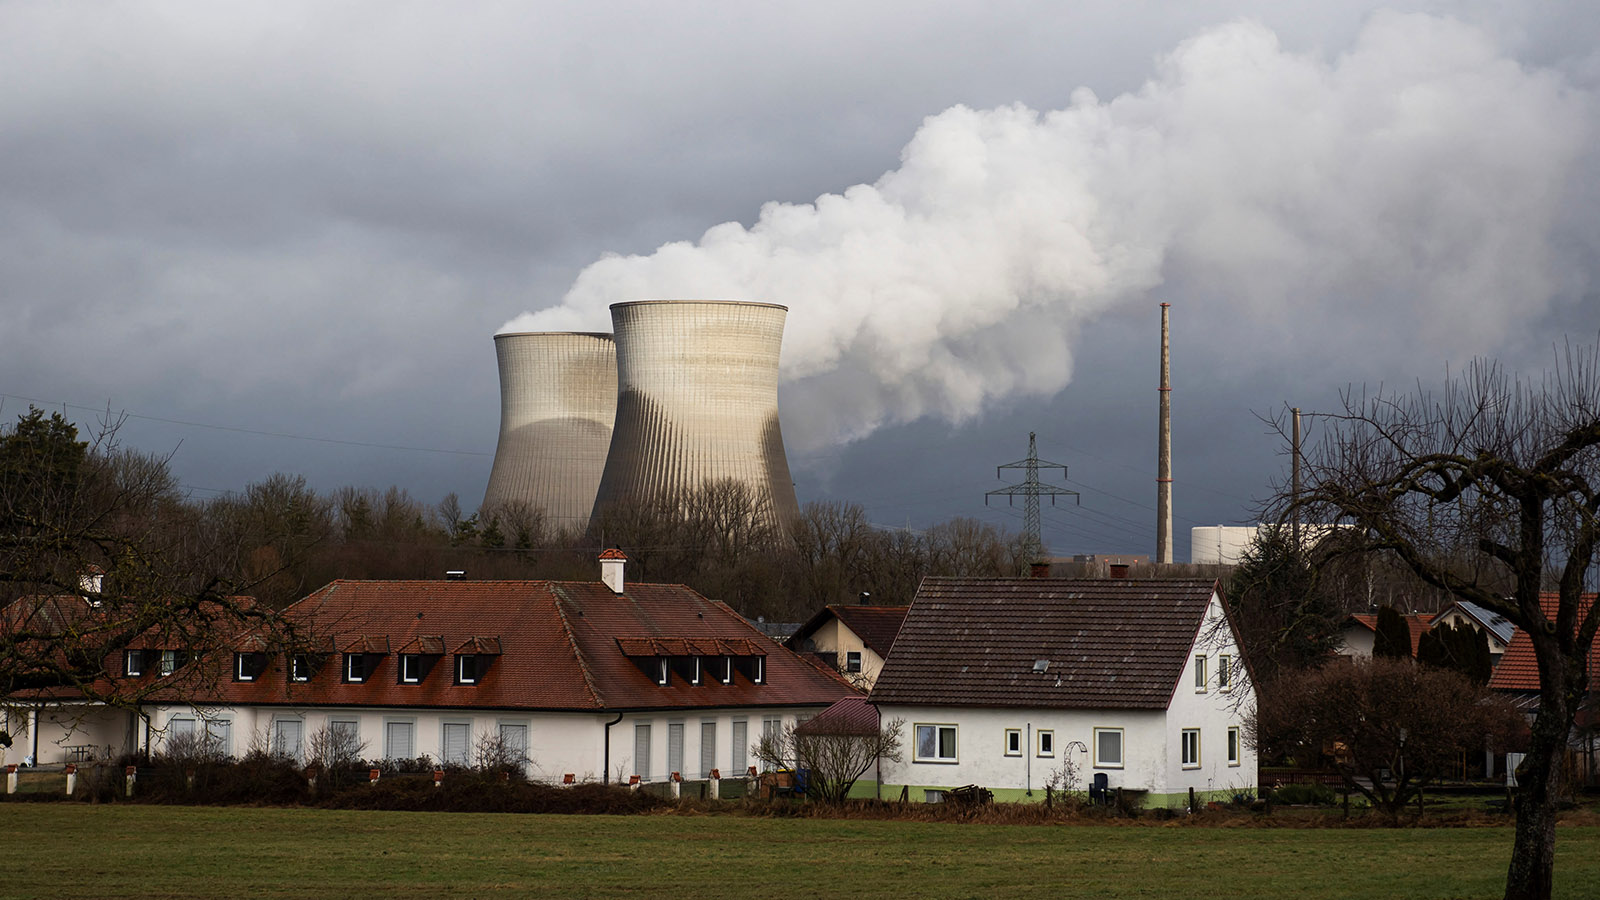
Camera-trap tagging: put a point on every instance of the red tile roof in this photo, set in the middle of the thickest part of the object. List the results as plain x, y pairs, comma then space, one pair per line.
1106, 643
560, 646
1518, 669
1417, 624
852, 715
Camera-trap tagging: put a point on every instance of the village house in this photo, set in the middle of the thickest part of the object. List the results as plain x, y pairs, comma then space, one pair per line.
1016, 684
1359, 634
854, 640
601, 680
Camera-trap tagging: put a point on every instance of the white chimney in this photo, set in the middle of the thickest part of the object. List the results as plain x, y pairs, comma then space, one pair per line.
611, 563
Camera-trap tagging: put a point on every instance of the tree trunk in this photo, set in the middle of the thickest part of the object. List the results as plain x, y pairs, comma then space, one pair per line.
1533, 853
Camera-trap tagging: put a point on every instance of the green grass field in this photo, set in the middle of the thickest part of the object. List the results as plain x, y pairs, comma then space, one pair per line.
81, 851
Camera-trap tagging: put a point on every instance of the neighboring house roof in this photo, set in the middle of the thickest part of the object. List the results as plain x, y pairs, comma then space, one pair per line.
1417, 624
545, 645
876, 626
852, 715
1105, 643
778, 631
1494, 623
1519, 668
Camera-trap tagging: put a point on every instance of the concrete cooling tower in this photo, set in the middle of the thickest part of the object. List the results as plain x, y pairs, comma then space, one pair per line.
558, 398
697, 401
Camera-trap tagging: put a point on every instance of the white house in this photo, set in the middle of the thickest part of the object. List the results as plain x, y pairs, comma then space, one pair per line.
1016, 684
853, 640
603, 681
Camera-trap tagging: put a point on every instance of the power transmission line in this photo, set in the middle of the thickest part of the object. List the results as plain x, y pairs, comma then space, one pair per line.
1030, 490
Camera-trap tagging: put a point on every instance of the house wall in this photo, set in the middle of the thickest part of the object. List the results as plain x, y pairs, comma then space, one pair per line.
1212, 710
1455, 619
105, 733
834, 637
558, 742
1356, 641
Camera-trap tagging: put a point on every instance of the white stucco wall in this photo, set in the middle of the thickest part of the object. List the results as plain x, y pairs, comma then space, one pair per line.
1356, 641
61, 727
558, 743
834, 637
1213, 710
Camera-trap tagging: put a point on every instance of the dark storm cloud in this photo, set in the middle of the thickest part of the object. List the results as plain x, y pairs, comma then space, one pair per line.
310, 218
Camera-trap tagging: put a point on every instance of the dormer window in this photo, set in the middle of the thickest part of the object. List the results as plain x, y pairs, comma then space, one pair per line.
299, 667
133, 662
355, 668
662, 670
694, 674
246, 666
727, 670
170, 661
466, 668
759, 670
410, 668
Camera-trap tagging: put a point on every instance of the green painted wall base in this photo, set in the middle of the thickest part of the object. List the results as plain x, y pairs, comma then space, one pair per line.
867, 790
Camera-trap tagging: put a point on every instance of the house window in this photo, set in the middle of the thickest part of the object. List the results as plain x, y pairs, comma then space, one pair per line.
410, 668
244, 667
170, 661
641, 750
455, 746
935, 744
727, 670
1108, 748
1047, 743
400, 739
695, 673
133, 663
1225, 672
708, 747
674, 747
180, 730
1199, 674
219, 737
760, 670
740, 760
514, 741
299, 667
1233, 746
355, 668
1013, 742
466, 668
287, 735
1191, 748
344, 740
852, 661
663, 675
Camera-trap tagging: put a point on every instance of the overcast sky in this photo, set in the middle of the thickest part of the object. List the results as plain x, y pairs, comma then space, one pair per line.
281, 236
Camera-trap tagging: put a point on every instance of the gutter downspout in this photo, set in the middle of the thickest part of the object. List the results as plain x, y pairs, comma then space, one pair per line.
33, 729
605, 774
1027, 757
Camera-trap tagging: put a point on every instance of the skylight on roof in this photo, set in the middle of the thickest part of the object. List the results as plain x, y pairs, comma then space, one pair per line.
1041, 665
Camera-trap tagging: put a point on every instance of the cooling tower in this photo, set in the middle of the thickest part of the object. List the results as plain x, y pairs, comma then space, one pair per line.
558, 398
697, 401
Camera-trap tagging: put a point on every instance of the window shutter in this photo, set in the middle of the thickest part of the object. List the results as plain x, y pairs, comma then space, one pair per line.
741, 746
515, 739
286, 736
674, 747
400, 740
708, 748
219, 737
455, 743
641, 752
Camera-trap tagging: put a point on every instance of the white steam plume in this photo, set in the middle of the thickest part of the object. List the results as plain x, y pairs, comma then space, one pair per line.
1408, 191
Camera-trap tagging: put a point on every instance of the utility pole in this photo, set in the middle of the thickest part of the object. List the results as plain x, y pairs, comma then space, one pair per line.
1030, 490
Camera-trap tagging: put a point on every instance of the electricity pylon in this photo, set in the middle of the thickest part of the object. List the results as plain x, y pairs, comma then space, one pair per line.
1030, 490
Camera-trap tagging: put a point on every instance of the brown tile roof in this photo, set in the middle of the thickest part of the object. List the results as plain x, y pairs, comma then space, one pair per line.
1417, 624
560, 647
1108, 643
1518, 669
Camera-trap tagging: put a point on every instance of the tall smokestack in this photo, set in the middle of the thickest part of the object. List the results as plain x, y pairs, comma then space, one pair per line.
697, 402
558, 399
1164, 451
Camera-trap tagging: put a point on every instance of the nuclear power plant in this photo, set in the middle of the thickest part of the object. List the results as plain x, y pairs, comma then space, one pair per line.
690, 397
558, 399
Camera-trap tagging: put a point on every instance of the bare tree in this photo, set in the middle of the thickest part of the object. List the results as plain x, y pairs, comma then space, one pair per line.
1493, 483
1397, 726
833, 758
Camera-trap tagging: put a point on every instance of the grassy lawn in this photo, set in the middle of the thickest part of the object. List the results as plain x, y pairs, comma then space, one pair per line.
80, 851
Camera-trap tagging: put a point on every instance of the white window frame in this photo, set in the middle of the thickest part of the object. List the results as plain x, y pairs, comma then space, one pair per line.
336, 726
760, 670
168, 664
1041, 737
462, 661
663, 671
350, 676
1225, 672
1190, 741
222, 744
739, 759
299, 667
296, 753
695, 678
1122, 748
852, 662
445, 723
242, 665
939, 729
1235, 745
727, 670
1200, 674
1013, 742
410, 668
642, 729
133, 663
521, 761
